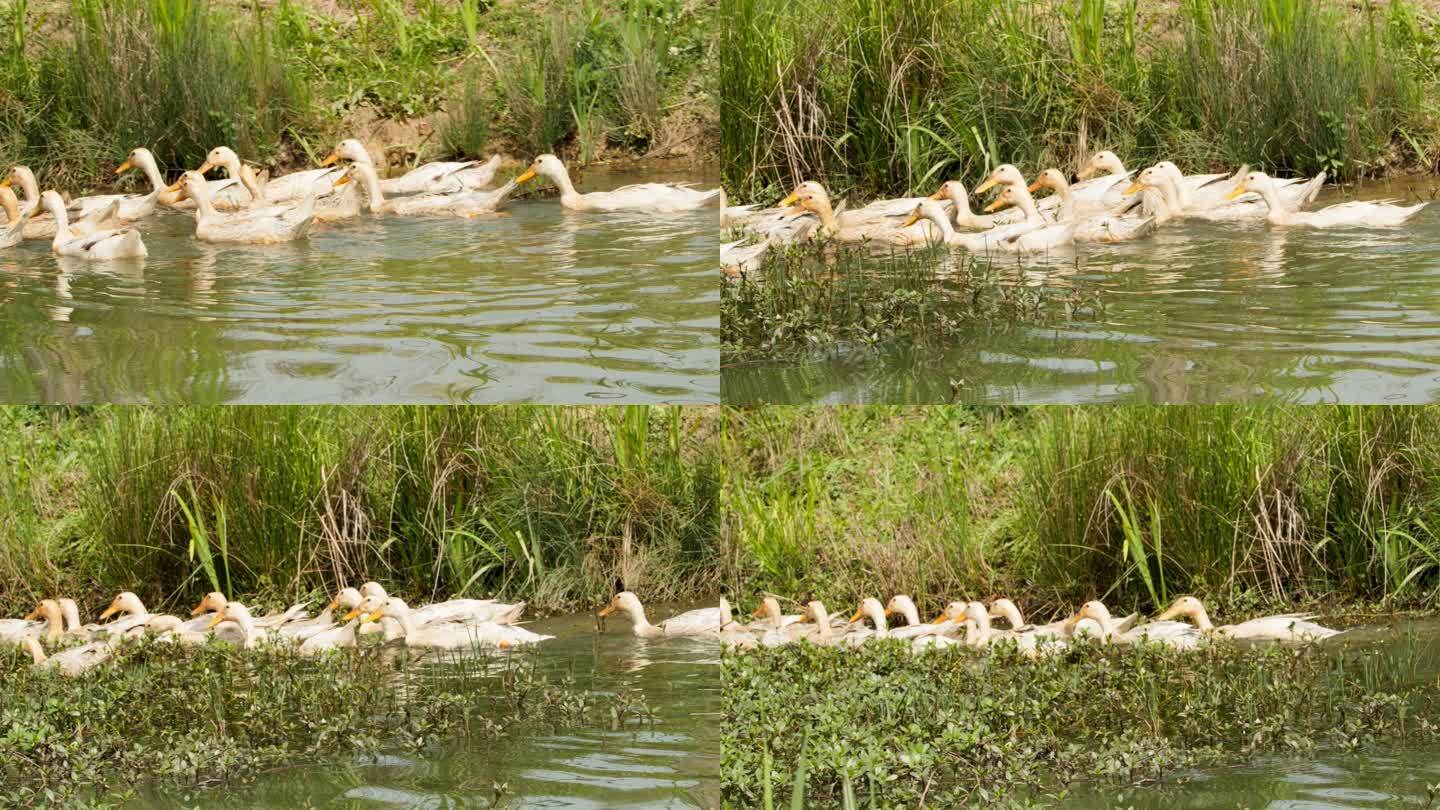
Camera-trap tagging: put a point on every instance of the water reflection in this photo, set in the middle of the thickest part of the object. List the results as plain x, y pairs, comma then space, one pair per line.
537, 304
1200, 312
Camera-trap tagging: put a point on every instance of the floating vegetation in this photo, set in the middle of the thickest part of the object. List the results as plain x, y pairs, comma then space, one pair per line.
203, 716
827, 298
879, 726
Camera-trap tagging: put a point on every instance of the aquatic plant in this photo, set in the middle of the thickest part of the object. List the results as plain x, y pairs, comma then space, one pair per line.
822, 298
880, 726
200, 717
884, 98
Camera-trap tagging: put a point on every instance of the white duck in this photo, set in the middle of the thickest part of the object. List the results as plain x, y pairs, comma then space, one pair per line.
953, 191
261, 225
1091, 227
50, 623
216, 602
439, 176
1003, 608
43, 225
72, 662
875, 231
293, 187
73, 626
133, 207
12, 229
983, 635
250, 633
454, 610
1348, 214
652, 197
701, 622
904, 606
1282, 627
449, 635
468, 204
1020, 238
1101, 182
121, 243
1168, 633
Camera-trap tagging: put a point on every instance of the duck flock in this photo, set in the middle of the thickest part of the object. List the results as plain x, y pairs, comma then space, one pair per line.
455, 623
1108, 204
1185, 625
250, 207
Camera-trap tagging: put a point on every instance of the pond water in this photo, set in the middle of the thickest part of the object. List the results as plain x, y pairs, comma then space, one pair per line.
1200, 312
533, 304
672, 763
1370, 778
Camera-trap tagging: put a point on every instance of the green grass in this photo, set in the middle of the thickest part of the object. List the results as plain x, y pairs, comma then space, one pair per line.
883, 97
1245, 506
84, 84
179, 718
554, 505
879, 726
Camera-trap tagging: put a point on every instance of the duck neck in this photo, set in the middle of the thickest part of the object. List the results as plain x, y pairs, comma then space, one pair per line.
62, 224
961, 201
248, 180
1012, 615
642, 624
1182, 194
371, 181
826, 213
947, 231
72, 617
907, 609
822, 622
982, 629
561, 179
37, 653
152, 173
1202, 619
1026, 203
1170, 196
204, 209
878, 617
1272, 200
28, 185
1067, 202
54, 627
407, 622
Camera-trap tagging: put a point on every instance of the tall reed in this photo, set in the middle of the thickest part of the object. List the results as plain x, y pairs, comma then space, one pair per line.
559, 506
884, 97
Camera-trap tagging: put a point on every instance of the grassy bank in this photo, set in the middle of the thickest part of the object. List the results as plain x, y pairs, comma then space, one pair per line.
82, 82
1244, 506
878, 726
553, 505
878, 98
201, 717
824, 298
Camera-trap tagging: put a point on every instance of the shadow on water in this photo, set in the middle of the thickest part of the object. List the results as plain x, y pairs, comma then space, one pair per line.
670, 761
1200, 312
534, 303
